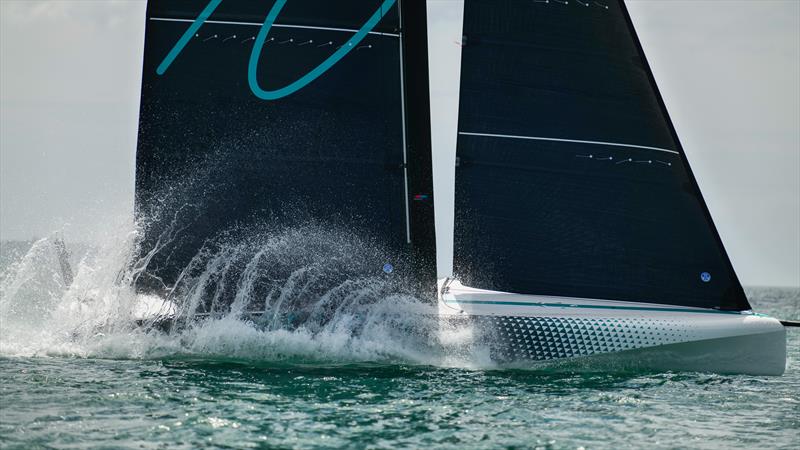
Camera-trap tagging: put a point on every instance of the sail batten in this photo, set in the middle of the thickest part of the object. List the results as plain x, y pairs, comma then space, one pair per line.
276, 25
576, 141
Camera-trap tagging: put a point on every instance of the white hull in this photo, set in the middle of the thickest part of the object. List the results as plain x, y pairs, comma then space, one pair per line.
521, 329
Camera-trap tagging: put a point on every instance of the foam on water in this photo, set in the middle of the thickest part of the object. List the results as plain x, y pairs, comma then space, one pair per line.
320, 301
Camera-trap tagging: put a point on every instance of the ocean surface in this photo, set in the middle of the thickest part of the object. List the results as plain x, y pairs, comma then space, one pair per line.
75, 374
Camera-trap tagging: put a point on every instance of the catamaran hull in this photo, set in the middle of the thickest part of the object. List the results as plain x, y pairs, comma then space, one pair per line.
522, 330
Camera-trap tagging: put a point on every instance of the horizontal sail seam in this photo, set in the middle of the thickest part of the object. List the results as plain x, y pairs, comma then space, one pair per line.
277, 25
576, 141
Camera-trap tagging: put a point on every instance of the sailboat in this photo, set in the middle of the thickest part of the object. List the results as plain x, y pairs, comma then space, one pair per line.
564, 218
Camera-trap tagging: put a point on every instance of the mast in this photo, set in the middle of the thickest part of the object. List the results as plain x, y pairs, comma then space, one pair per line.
444, 40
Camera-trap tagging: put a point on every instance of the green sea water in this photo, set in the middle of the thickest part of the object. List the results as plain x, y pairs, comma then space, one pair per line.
228, 385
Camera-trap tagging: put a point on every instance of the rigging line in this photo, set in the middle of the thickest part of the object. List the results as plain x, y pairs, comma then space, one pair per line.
276, 25
575, 141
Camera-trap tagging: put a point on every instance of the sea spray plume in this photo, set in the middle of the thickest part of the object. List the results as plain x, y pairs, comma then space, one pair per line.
256, 267
39, 312
318, 289
306, 276
164, 215
297, 270
190, 251
315, 308
306, 290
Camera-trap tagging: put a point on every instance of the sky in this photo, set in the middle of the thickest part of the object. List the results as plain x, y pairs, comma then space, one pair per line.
70, 74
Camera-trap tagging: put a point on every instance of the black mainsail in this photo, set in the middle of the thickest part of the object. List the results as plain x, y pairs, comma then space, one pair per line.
570, 178
278, 112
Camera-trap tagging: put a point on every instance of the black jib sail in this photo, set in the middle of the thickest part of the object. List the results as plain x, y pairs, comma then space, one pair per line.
570, 178
274, 113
